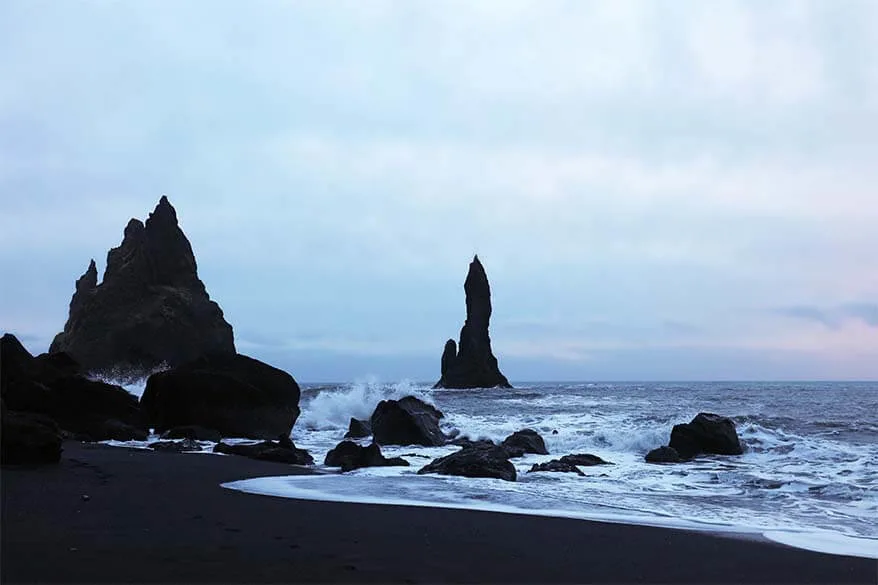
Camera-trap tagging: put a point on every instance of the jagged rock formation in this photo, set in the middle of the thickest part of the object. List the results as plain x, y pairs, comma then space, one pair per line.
151, 308
470, 363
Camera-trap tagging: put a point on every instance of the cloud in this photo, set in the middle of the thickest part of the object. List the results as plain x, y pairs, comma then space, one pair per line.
638, 179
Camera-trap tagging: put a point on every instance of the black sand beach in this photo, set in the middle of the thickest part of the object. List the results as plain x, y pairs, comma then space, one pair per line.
162, 517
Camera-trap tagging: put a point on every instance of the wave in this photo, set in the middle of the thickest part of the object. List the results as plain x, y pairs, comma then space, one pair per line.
333, 408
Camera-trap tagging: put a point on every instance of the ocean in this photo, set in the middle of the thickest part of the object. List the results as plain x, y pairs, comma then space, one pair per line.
808, 478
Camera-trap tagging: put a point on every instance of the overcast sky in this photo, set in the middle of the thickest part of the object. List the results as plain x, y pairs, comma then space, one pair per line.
658, 190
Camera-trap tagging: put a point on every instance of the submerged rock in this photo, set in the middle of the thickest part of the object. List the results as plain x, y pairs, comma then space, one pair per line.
474, 461
584, 460
663, 455
235, 395
357, 429
471, 363
408, 421
151, 308
526, 440
278, 451
706, 433
556, 465
349, 456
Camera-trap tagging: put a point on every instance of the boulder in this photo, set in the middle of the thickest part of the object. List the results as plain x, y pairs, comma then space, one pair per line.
471, 363
151, 308
663, 455
584, 460
175, 446
527, 440
357, 429
28, 438
268, 451
706, 433
474, 461
192, 432
556, 465
87, 409
408, 421
349, 455
235, 395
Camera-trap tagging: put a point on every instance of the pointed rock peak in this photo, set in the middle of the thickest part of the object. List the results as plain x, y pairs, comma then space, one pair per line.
134, 227
89, 279
164, 213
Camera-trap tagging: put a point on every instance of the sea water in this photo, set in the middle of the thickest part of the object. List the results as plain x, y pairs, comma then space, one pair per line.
808, 478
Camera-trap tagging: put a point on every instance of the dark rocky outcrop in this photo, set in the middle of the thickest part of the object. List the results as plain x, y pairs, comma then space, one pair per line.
527, 440
175, 446
84, 409
474, 461
706, 433
349, 455
28, 438
151, 308
408, 421
557, 466
235, 395
471, 363
278, 451
357, 429
192, 432
663, 455
584, 460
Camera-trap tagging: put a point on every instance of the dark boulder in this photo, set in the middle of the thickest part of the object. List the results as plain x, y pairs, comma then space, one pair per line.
663, 455
28, 438
474, 461
192, 432
235, 395
357, 429
584, 460
527, 440
87, 409
471, 363
175, 446
151, 308
349, 455
408, 421
511, 451
268, 451
556, 465
706, 433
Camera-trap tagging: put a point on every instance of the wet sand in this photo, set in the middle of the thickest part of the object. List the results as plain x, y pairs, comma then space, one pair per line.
163, 517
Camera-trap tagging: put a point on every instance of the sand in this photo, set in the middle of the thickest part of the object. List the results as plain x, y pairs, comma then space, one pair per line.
117, 515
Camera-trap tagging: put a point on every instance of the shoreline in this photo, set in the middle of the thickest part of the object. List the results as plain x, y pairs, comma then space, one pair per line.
163, 517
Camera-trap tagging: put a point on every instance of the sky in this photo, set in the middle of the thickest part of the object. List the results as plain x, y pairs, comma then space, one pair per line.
658, 190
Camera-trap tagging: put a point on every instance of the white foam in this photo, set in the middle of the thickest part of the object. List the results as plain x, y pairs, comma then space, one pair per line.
827, 542
334, 409
817, 541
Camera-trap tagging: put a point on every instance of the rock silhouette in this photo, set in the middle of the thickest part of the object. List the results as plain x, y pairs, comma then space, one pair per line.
470, 363
151, 308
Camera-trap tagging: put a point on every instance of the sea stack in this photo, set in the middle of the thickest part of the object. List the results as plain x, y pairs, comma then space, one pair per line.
151, 308
470, 363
